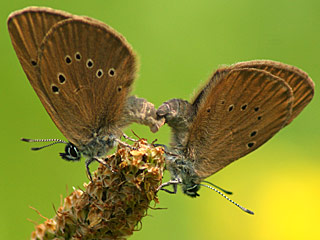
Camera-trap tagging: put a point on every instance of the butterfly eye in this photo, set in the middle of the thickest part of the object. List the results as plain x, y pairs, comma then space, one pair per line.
112, 72
71, 153
192, 191
68, 59
77, 56
89, 63
61, 78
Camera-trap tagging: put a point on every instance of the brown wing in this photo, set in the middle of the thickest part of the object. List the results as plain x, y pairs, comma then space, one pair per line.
27, 28
214, 80
86, 70
299, 81
236, 115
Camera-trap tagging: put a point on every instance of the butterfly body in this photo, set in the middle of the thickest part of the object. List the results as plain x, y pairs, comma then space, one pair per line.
182, 171
97, 147
82, 71
239, 109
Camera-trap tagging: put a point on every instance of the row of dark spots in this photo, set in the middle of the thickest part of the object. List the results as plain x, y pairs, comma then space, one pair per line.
111, 73
99, 72
256, 109
90, 64
243, 108
68, 59
254, 133
62, 79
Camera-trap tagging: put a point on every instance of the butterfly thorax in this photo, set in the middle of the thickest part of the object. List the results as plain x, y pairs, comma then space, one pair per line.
182, 170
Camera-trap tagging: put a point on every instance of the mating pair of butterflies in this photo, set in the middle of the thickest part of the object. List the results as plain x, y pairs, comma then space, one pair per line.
82, 70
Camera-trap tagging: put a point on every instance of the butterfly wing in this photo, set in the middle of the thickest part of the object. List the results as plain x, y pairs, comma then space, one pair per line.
300, 83
86, 70
27, 29
239, 110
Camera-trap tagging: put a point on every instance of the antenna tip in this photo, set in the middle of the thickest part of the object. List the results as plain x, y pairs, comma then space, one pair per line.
36, 148
249, 211
25, 139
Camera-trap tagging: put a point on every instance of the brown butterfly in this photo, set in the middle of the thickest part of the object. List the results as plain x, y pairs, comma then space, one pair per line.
240, 108
82, 70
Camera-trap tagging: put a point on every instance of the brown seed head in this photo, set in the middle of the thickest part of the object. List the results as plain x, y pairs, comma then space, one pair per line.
115, 202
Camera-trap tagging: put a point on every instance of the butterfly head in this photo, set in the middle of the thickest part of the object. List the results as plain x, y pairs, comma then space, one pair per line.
71, 153
182, 170
191, 190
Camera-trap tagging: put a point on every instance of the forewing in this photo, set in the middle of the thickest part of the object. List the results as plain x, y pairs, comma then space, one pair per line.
27, 28
299, 81
86, 70
236, 115
214, 80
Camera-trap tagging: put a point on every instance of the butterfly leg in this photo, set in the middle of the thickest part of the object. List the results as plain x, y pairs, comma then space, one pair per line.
161, 145
141, 111
124, 144
104, 163
178, 114
174, 183
88, 162
129, 138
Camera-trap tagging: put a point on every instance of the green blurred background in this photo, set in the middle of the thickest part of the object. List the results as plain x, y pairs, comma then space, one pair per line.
179, 44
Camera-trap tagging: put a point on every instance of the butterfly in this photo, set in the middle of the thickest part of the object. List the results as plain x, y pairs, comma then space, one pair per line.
240, 108
82, 71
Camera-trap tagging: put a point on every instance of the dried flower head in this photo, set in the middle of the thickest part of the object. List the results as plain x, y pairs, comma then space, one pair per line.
113, 204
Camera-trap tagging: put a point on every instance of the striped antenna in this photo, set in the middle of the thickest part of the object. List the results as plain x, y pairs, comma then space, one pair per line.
239, 206
55, 141
223, 190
